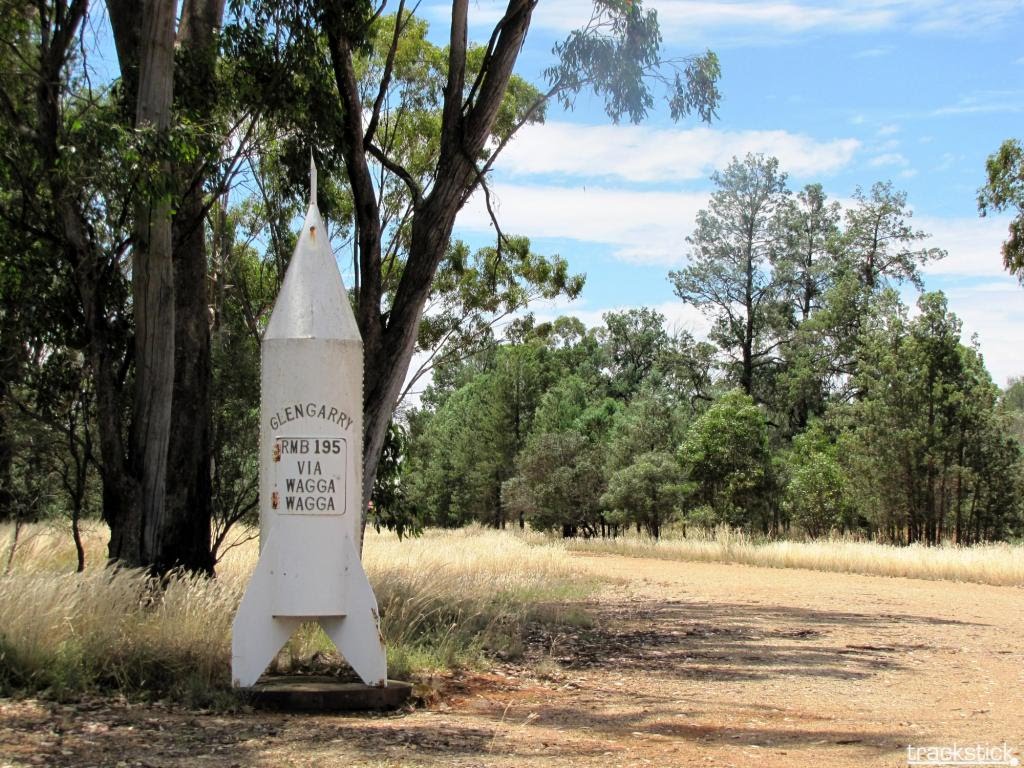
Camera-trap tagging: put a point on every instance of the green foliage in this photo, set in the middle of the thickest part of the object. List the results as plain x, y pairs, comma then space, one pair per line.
816, 494
244, 287
389, 507
880, 243
730, 275
725, 457
651, 422
559, 483
474, 292
1012, 403
635, 342
617, 55
467, 448
1005, 191
857, 418
925, 446
647, 492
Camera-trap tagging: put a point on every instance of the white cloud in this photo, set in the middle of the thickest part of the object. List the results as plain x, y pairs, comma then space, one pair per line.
957, 17
888, 130
679, 316
695, 21
973, 245
645, 154
645, 227
890, 158
984, 102
996, 316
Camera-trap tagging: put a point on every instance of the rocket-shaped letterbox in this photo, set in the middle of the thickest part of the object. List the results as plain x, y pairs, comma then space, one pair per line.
311, 436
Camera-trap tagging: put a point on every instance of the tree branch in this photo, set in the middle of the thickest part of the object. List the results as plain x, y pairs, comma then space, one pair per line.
389, 65
451, 115
366, 206
486, 60
399, 171
514, 26
490, 212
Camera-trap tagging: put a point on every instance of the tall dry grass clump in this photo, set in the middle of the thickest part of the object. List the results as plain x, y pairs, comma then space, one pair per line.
447, 596
996, 564
65, 632
446, 599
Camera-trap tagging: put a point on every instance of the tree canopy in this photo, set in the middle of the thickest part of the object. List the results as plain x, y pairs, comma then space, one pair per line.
164, 198
861, 418
1004, 191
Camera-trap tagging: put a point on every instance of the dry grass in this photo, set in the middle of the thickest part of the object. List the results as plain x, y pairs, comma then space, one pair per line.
995, 564
65, 632
446, 599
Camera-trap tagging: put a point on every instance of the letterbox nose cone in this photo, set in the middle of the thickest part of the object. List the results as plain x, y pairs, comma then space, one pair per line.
313, 303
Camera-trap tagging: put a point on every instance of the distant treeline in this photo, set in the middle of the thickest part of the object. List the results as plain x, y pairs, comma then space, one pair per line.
819, 403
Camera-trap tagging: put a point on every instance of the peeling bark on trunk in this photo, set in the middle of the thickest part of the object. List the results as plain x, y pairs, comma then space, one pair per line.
171, 443
189, 508
186, 535
153, 294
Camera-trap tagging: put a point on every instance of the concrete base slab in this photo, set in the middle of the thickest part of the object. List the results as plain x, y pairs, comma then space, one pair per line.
315, 693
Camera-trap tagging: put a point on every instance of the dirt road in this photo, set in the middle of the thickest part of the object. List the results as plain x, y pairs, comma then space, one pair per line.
688, 665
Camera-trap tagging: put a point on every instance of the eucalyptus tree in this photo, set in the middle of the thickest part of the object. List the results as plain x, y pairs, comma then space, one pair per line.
559, 484
635, 341
726, 461
808, 267
731, 274
480, 107
171, 92
66, 206
1004, 190
560, 472
648, 492
116, 179
880, 243
925, 443
817, 492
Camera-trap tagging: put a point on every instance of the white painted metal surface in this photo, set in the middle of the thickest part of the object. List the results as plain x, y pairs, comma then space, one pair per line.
311, 430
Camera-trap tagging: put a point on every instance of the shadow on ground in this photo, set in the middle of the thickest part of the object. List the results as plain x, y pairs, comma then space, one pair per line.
681, 640
729, 641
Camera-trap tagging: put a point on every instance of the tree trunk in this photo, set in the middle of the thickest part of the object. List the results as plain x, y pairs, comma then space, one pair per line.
189, 507
171, 442
153, 296
97, 279
388, 345
747, 373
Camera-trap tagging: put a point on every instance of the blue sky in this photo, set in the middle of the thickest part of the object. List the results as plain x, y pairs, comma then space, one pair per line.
845, 93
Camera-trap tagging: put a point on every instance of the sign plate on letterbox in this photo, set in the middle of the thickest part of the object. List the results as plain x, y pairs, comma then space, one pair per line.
309, 475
